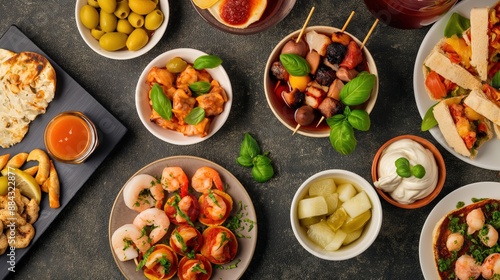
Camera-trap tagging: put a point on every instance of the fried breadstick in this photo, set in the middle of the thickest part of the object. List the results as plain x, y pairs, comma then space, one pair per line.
43, 164
3, 160
17, 160
51, 185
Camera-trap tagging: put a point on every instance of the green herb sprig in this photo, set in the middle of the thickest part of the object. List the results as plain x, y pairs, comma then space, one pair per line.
161, 104
207, 61
342, 126
406, 170
251, 156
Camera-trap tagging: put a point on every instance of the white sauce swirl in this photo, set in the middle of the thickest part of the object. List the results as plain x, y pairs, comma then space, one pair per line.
406, 190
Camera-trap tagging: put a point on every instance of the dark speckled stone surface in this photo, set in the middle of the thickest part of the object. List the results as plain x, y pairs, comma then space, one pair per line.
76, 245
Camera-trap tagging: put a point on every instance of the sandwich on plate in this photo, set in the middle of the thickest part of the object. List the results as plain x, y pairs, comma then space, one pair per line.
486, 101
464, 129
447, 69
485, 29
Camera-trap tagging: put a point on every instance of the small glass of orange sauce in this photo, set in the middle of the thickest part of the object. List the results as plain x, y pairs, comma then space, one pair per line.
71, 137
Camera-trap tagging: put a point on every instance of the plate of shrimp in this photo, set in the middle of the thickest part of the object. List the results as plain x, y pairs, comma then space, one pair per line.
465, 195
197, 103
181, 217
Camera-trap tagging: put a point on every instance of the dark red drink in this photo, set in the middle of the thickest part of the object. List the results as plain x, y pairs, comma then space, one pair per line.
408, 14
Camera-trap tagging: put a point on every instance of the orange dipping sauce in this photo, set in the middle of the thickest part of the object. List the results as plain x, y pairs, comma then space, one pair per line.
70, 137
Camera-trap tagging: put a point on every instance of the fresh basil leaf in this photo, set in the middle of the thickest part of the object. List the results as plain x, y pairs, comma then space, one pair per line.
359, 119
195, 116
335, 119
244, 161
161, 104
200, 87
207, 61
295, 64
262, 169
495, 82
456, 25
402, 162
429, 121
358, 90
249, 147
418, 171
342, 137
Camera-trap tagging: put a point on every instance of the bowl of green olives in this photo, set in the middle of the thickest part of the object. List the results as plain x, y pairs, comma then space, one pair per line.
121, 29
184, 96
308, 81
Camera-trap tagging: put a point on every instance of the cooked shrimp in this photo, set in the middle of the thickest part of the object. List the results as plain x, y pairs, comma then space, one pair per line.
32, 211
182, 237
192, 268
454, 242
204, 178
124, 237
216, 207
475, 220
174, 178
153, 217
204, 76
220, 245
466, 268
182, 104
186, 77
184, 205
488, 235
142, 192
491, 266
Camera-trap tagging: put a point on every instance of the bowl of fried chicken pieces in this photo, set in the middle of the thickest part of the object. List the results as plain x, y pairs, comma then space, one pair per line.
184, 96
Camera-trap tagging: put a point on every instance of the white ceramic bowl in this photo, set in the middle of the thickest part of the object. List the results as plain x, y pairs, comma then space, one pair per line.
371, 229
121, 54
144, 109
277, 107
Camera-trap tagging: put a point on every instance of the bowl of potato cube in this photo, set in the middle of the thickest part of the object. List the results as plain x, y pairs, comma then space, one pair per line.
336, 214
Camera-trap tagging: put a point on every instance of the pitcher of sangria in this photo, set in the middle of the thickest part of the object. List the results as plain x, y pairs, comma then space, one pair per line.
408, 14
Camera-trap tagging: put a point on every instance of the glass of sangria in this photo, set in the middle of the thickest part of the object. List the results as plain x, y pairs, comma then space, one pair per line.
408, 14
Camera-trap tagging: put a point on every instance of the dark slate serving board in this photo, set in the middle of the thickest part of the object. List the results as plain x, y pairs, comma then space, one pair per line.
69, 96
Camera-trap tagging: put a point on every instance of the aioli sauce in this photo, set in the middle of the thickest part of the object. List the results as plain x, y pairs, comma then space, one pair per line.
70, 137
407, 190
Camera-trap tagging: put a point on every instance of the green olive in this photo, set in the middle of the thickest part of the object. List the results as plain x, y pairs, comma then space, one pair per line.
109, 6
124, 26
107, 22
176, 65
136, 20
137, 39
122, 10
142, 7
153, 20
97, 33
113, 41
93, 3
89, 16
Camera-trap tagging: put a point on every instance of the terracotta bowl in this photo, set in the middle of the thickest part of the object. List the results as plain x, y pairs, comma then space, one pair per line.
441, 172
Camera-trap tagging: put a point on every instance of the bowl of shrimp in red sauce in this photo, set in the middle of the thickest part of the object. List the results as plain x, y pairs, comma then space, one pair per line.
184, 96
307, 91
184, 213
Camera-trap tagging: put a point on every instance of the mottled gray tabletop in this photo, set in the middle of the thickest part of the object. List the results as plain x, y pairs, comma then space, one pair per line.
76, 246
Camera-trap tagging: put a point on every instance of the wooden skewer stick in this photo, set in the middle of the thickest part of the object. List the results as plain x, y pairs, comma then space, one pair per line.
369, 33
296, 129
320, 120
347, 21
343, 29
305, 25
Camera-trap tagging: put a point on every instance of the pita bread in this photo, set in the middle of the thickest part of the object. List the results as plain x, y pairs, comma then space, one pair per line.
27, 86
450, 132
480, 43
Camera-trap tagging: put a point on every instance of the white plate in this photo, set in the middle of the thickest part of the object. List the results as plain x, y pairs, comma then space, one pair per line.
144, 109
121, 54
447, 204
121, 214
489, 153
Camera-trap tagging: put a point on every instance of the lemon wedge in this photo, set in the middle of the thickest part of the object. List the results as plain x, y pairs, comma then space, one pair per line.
4, 184
205, 4
26, 184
